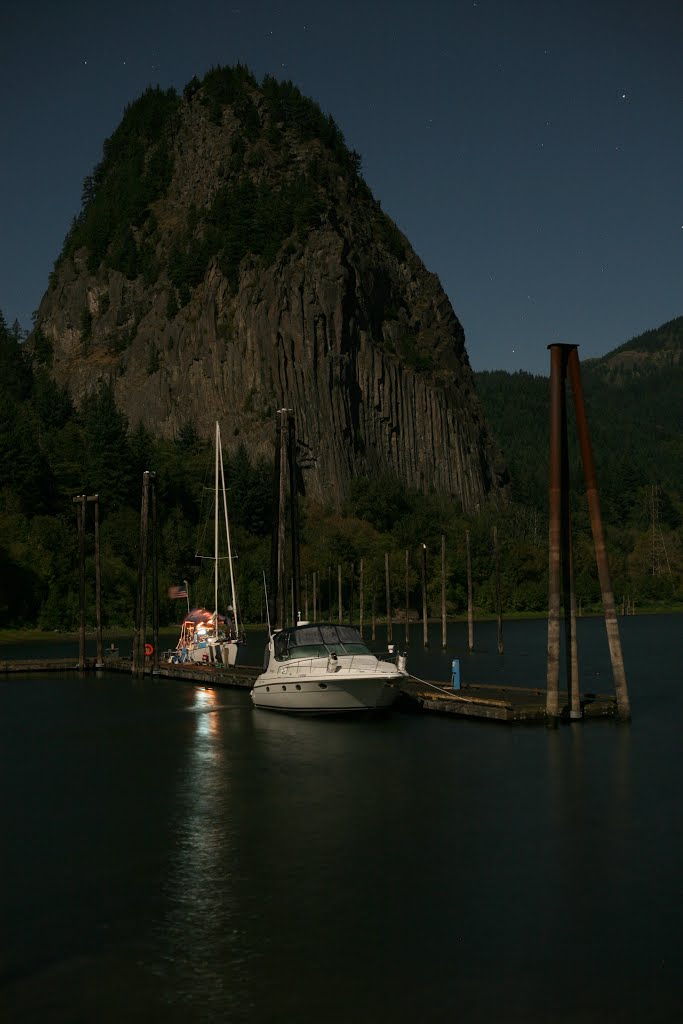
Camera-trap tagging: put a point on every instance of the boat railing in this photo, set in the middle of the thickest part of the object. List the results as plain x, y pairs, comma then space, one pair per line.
306, 666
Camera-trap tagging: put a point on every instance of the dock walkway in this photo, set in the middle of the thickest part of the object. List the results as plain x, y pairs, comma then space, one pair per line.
499, 703
473, 700
242, 676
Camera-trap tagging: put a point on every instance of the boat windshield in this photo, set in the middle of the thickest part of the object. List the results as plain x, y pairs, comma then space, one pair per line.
318, 642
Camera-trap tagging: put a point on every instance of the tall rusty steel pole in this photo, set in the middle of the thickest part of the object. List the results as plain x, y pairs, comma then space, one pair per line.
568, 593
611, 623
557, 410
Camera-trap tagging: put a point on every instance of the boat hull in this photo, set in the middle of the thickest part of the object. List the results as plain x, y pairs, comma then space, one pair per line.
209, 654
329, 696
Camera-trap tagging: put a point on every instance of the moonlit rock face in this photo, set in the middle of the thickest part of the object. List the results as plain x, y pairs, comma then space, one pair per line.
341, 323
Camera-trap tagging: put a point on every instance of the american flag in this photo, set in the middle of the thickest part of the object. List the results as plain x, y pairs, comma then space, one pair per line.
177, 592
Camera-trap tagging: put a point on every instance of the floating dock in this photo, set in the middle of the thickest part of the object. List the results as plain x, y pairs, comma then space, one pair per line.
473, 700
498, 703
241, 677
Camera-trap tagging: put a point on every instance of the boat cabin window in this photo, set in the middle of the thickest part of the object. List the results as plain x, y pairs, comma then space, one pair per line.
318, 642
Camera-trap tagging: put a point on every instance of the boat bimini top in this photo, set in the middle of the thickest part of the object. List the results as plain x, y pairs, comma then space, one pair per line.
317, 641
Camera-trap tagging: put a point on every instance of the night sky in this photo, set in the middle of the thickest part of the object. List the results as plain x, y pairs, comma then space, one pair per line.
532, 152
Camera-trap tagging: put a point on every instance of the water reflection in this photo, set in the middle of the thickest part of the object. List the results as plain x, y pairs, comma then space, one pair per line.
440, 868
201, 941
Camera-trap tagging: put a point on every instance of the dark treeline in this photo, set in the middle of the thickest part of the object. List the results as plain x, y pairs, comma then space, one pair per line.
50, 451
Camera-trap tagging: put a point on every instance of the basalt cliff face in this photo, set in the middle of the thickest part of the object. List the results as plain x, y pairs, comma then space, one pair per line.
229, 261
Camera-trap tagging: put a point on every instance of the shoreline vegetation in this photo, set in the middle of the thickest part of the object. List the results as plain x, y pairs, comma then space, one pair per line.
17, 635
52, 451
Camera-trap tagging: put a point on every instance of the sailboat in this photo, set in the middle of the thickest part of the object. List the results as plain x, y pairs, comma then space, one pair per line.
208, 638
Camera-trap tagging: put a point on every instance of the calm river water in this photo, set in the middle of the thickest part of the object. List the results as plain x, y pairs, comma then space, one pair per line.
169, 854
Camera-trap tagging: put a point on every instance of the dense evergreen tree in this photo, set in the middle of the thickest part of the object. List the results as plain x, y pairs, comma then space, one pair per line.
50, 451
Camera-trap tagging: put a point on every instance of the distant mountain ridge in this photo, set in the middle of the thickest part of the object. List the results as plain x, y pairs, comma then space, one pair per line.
229, 260
634, 400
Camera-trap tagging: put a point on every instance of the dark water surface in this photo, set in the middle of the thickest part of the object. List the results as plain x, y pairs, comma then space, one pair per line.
167, 853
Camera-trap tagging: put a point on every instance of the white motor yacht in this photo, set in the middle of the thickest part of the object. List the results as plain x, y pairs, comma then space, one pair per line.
325, 669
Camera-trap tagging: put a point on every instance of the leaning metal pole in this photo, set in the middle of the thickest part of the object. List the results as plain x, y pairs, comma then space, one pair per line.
611, 623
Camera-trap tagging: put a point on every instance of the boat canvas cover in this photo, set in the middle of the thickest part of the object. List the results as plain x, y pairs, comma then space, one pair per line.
323, 639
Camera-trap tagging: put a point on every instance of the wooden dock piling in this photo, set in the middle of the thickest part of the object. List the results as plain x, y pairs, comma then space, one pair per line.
564, 362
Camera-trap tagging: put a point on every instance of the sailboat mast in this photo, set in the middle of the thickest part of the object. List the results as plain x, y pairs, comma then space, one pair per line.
227, 534
215, 537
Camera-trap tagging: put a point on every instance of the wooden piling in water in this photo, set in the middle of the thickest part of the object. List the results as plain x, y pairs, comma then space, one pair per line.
564, 362
405, 616
499, 606
138, 664
272, 594
95, 499
80, 518
611, 623
294, 516
351, 594
155, 581
425, 632
388, 588
470, 604
557, 411
568, 594
443, 592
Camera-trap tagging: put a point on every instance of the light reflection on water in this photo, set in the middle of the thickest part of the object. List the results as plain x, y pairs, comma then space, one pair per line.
202, 881
176, 855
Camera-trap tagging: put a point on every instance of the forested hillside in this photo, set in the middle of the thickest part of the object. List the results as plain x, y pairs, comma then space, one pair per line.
634, 407
51, 451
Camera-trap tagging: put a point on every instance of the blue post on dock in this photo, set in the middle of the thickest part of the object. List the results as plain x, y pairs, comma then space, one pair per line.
455, 667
